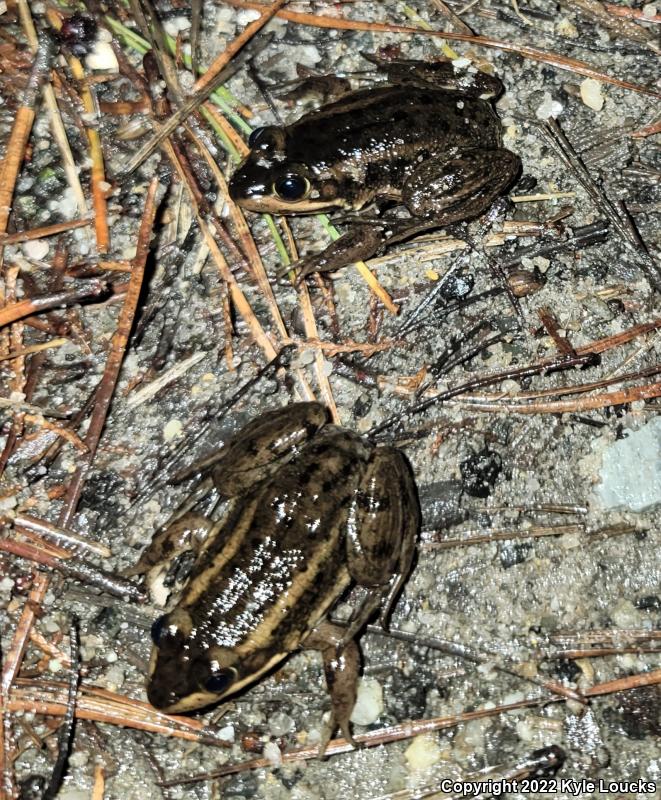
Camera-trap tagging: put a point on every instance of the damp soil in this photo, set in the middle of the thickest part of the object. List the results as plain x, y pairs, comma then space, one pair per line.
554, 574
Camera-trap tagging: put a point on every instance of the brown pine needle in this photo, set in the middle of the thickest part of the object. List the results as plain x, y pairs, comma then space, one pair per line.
622, 684
43, 232
14, 656
506, 535
62, 536
238, 298
115, 356
534, 54
407, 730
101, 705
66, 433
99, 782
73, 567
20, 132
34, 348
57, 126
603, 400
205, 85
34, 305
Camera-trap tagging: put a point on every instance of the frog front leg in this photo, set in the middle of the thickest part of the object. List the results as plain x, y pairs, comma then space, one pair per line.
341, 664
460, 187
359, 243
381, 534
169, 558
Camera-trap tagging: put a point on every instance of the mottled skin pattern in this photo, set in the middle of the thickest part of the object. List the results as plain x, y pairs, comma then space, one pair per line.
365, 145
432, 144
330, 509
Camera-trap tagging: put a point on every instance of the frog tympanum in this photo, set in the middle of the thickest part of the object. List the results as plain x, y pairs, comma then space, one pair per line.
428, 140
313, 508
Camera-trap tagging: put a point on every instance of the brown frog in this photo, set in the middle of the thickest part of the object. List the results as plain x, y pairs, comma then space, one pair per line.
429, 140
313, 509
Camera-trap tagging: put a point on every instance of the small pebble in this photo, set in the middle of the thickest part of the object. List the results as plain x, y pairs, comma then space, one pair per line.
36, 250
280, 724
102, 58
423, 752
79, 758
591, 94
566, 28
369, 702
649, 11
175, 25
272, 754
172, 429
247, 16
226, 733
548, 108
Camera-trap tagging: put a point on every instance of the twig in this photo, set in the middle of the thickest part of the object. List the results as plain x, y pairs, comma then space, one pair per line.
98, 172
407, 730
604, 400
66, 538
43, 232
115, 356
35, 305
101, 705
57, 126
14, 655
20, 133
65, 735
499, 536
559, 61
616, 214
204, 86
76, 568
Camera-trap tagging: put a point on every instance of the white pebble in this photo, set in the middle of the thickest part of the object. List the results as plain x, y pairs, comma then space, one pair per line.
247, 16
176, 24
423, 752
37, 249
102, 58
549, 108
591, 94
172, 429
649, 11
226, 733
280, 724
272, 754
369, 702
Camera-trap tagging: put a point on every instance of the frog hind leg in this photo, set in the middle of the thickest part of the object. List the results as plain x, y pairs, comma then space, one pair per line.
460, 187
381, 534
258, 449
341, 665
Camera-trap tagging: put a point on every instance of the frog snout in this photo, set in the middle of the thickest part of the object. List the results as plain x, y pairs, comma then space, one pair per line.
245, 186
160, 696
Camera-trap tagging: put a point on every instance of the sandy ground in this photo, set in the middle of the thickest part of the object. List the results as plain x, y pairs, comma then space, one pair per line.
524, 598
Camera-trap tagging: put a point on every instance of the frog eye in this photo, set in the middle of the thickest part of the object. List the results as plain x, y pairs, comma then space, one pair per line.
291, 186
255, 136
220, 680
158, 628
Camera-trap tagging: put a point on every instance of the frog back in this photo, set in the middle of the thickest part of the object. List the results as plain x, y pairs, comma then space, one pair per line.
279, 562
391, 123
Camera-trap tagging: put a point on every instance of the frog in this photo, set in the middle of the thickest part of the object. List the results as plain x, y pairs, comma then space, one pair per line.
312, 508
427, 139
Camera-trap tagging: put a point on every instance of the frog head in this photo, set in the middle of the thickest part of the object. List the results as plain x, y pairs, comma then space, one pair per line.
269, 180
189, 670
